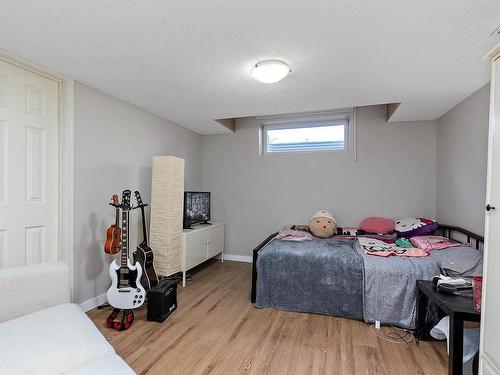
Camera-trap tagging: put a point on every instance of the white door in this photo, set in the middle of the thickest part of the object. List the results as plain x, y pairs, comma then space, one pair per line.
28, 167
490, 322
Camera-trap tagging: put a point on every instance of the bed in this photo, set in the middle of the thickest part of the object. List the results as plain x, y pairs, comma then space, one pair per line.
335, 277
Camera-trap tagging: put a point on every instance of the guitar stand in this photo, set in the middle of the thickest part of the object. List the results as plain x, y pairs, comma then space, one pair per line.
123, 324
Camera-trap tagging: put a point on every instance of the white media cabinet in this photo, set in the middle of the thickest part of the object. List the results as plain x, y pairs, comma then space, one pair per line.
200, 244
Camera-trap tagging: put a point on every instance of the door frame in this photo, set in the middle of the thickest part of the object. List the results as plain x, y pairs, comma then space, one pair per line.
66, 189
485, 359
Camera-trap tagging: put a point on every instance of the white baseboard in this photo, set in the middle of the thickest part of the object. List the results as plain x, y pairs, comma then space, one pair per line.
238, 258
93, 302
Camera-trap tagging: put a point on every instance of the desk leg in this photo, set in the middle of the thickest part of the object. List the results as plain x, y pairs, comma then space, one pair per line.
455, 359
420, 324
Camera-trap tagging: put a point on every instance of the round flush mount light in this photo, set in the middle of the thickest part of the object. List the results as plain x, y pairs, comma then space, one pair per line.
270, 71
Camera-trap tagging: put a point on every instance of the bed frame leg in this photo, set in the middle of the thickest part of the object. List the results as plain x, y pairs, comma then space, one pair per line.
254, 276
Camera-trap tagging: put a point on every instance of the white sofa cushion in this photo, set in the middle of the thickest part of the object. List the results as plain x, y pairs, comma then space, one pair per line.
110, 364
51, 341
31, 288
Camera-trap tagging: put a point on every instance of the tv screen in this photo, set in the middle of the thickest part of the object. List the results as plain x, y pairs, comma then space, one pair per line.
196, 208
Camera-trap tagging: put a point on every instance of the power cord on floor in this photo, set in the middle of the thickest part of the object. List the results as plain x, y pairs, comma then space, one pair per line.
397, 336
178, 277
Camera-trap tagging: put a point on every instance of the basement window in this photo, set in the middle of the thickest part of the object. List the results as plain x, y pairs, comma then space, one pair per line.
305, 136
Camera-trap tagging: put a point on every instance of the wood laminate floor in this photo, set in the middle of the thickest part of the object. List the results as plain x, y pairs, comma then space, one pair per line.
216, 330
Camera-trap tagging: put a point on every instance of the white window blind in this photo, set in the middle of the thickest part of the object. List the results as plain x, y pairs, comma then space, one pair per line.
323, 135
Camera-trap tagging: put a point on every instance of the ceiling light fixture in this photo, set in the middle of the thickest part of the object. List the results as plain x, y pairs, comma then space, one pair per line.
270, 71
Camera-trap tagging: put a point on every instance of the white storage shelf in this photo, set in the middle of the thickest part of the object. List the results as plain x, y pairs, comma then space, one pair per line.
200, 244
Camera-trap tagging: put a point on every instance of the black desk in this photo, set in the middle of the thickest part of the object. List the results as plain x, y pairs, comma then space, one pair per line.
460, 309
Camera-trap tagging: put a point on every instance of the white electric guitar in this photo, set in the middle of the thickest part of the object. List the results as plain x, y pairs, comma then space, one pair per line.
126, 291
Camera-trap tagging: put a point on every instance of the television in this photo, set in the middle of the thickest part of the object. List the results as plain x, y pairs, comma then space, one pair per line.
196, 208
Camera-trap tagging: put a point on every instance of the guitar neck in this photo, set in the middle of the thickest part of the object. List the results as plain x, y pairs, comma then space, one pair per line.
124, 251
117, 217
144, 231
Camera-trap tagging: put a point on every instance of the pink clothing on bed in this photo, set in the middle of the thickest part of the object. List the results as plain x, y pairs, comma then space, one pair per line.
433, 242
411, 252
289, 234
400, 252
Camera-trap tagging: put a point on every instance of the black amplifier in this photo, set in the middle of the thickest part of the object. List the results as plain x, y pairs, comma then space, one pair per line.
162, 300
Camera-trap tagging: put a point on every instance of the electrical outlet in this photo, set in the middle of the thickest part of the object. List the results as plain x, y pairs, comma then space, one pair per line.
377, 324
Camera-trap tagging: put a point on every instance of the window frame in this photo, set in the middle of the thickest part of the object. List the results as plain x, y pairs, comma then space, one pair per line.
294, 123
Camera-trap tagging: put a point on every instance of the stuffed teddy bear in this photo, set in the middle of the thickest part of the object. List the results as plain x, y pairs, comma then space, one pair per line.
322, 224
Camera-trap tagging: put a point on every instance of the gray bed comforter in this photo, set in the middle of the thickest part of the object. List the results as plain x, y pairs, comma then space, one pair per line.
335, 277
390, 283
318, 276
390, 287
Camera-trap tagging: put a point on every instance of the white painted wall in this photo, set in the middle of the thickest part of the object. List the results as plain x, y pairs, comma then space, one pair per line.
395, 175
114, 145
462, 153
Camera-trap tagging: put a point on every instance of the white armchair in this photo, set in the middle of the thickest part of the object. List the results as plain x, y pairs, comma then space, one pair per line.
42, 333
32, 288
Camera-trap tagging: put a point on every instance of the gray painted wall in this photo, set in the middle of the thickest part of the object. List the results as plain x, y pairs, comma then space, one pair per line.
423, 168
114, 146
462, 158
395, 175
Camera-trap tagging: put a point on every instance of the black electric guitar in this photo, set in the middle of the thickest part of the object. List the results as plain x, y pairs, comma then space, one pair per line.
144, 255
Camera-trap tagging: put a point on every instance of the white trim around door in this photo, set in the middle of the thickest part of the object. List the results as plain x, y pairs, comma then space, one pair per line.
66, 158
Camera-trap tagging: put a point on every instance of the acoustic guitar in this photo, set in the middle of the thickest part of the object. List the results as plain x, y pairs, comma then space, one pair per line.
144, 255
126, 291
114, 233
